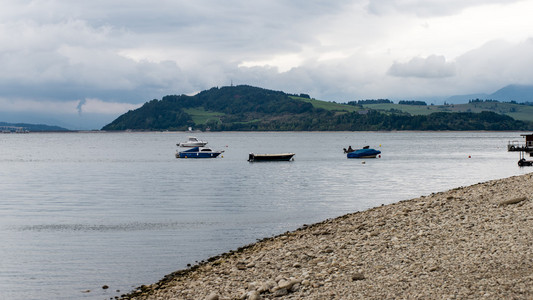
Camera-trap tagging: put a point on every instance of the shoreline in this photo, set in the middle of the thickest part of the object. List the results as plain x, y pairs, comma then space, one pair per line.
467, 242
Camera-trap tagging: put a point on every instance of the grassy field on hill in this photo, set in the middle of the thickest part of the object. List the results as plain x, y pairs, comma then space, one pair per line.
516, 111
332, 106
200, 116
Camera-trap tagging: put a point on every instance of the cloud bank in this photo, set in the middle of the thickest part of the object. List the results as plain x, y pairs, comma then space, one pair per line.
103, 58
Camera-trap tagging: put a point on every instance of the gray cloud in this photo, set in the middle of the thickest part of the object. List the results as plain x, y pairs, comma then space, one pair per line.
433, 66
496, 64
426, 8
73, 51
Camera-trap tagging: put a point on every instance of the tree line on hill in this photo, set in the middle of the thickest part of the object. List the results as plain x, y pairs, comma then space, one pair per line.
247, 108
369, 101
385, 101
477, 100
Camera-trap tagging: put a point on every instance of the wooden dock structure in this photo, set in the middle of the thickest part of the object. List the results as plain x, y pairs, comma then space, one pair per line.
524, 149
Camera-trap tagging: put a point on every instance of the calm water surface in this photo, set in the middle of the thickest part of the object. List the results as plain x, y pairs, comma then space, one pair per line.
83, 210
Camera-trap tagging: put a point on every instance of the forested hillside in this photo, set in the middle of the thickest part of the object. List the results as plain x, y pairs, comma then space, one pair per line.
248, 108
226, 108
25, 127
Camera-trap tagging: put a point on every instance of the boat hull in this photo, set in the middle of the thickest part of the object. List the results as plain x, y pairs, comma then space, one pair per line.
270, 157
525, 163
364, 153
196, 152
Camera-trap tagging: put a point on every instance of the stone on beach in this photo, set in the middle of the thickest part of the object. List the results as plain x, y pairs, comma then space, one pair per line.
513, 201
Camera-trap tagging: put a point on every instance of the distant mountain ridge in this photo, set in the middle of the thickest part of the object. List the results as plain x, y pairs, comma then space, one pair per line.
23, 127
512, 92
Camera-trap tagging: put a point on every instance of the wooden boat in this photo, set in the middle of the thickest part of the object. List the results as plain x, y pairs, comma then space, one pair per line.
198, 152
270, 157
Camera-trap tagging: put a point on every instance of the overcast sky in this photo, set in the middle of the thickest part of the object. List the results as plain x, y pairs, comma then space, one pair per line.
105, 57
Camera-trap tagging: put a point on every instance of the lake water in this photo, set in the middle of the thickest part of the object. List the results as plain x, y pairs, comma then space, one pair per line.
83, 210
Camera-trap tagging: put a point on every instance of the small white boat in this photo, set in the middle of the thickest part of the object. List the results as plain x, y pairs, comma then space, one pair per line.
192, 142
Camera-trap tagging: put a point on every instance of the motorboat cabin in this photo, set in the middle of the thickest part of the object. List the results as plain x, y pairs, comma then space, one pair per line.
192, 142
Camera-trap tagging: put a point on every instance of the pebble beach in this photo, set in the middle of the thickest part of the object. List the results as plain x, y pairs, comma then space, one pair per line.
472, 242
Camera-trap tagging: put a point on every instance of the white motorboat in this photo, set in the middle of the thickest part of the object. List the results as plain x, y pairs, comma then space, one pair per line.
192, 142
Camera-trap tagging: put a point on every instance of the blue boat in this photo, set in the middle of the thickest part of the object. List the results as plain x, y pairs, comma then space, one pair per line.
198, 152
364, 153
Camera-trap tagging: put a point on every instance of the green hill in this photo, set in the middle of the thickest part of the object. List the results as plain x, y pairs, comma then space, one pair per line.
251, 108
